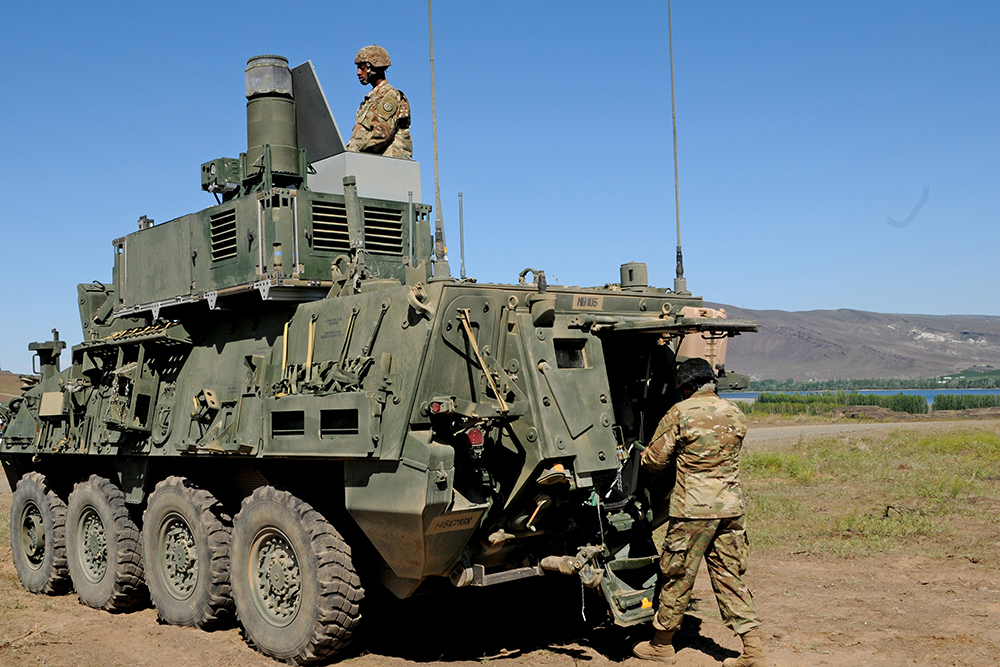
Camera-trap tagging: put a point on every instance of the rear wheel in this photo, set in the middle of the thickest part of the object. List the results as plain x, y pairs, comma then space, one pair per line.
38, 536
296, 590
185, 539
102, 547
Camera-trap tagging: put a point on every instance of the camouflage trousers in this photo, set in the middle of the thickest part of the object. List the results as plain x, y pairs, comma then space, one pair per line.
723, 544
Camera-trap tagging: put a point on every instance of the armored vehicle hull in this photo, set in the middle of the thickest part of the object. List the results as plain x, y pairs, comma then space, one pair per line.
281, 401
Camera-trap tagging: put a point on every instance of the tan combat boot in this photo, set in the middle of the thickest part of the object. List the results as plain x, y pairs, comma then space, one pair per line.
660, 648
753, 652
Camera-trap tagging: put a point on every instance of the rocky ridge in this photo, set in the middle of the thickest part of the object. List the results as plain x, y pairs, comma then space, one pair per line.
853, 344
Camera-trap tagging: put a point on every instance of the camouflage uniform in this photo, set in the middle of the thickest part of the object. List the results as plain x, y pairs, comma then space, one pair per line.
383, 124
703, 434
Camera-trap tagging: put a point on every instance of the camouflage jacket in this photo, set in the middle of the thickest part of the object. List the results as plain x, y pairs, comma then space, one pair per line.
383, 123
703, 435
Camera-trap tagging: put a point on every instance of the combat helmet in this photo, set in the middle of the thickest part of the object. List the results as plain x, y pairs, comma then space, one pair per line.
693, 370
374, 55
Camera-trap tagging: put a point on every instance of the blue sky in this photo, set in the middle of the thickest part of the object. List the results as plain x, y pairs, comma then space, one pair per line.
803, 127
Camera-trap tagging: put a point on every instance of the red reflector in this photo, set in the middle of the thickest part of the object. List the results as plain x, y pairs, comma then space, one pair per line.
474, 436
435, 408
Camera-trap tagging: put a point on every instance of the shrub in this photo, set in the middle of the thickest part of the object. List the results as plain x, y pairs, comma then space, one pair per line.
815, 404
966, 401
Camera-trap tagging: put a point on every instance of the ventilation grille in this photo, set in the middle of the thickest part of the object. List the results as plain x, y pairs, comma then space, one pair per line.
383, 229
223, 235
330, 227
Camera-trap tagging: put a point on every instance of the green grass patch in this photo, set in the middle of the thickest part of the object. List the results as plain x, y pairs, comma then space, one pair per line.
788, 465
982, 446
850, 497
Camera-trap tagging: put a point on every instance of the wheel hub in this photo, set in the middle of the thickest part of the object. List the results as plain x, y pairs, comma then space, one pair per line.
33, 535
277, 578
94, 545
178, 557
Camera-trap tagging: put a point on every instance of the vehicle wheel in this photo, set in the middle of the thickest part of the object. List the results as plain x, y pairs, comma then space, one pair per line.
185, 539
38, 536
296, 590
102, 547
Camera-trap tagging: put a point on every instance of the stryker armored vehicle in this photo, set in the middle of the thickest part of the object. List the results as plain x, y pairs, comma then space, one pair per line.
283, 400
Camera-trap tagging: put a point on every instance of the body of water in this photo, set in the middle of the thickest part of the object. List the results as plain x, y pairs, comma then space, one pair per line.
928, 394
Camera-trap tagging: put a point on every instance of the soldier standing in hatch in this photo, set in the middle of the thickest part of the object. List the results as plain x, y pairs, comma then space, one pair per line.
383, 122
702, 436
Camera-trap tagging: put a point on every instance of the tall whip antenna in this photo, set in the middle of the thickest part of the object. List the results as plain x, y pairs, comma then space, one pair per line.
440, 250
680, 284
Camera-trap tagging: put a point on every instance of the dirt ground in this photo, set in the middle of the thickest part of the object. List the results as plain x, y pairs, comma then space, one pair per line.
877, 612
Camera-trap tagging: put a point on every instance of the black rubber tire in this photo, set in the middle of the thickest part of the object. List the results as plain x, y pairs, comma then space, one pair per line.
308, 572
38, 536
103, 548
188, 585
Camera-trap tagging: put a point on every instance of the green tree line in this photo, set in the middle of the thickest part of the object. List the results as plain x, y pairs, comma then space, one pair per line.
970, 380
816, 404
966, 401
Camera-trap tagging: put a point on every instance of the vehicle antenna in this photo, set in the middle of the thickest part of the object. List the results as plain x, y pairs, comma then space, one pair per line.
680, 283
440, 249
461, 233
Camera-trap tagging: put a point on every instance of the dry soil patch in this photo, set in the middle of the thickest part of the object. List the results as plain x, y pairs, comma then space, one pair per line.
879, 612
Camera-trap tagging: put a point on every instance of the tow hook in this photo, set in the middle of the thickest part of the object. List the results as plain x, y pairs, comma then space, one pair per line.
581, 564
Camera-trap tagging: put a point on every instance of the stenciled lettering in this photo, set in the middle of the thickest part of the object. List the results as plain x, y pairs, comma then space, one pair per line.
443, 524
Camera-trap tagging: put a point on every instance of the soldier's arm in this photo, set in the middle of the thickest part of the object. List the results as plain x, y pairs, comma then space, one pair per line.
359, 132
380, 122
379, 135
661, 448
370, 137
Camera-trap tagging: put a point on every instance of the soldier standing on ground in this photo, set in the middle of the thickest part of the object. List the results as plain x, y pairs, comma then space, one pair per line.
383, 121
702, 436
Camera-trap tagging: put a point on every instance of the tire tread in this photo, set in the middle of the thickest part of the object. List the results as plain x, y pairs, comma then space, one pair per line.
58, 580
129, 586
218, 607
340, 590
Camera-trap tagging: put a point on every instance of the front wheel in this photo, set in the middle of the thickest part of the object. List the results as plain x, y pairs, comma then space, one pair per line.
38, 536
296, 590
102, 547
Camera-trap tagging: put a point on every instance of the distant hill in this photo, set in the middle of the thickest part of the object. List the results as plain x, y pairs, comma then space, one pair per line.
854, 344
10, 386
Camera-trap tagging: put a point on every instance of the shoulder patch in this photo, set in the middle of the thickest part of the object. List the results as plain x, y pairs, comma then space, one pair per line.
386, 108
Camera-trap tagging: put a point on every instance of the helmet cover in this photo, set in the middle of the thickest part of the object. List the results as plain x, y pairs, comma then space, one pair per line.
374, 55
694, 369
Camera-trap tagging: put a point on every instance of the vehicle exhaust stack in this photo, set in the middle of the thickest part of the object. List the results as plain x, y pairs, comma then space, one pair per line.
271, 116
634, 276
